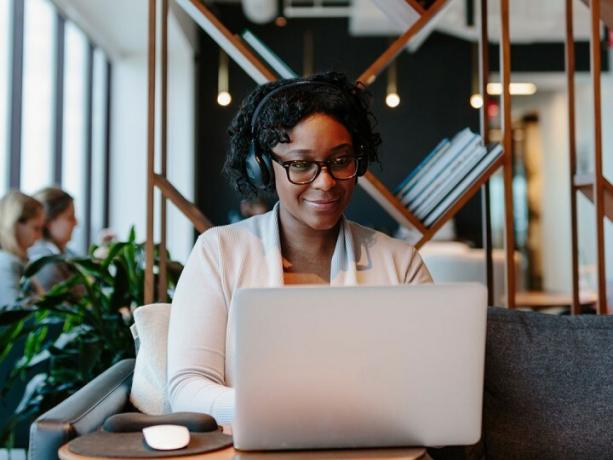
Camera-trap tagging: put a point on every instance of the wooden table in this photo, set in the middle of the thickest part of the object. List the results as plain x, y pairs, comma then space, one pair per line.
229, 453
538, 300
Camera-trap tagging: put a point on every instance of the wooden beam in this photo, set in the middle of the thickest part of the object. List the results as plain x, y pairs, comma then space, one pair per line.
484, 68
229, 42
606, 11
416, 6
199, 220
369, 75
381, 194
575, 307
162, 272
598, 179
507, 131
585, 185
149, 247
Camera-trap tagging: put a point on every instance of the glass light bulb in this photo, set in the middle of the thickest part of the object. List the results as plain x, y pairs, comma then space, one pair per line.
392, 100
224, 98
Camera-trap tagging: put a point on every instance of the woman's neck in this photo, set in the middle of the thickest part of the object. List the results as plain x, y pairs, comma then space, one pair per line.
307, 253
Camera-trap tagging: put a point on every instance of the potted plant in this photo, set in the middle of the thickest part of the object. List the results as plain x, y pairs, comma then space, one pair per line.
62, 340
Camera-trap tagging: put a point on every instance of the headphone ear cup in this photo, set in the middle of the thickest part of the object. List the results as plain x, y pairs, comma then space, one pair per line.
258, 168
362, 166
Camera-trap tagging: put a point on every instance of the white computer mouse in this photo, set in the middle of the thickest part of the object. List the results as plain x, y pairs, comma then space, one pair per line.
166, 437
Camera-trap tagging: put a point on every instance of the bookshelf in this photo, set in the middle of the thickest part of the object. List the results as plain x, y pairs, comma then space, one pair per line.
253, 66
594, 186
585, 184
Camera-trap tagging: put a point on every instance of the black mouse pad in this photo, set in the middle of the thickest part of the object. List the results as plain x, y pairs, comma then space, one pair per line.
103, 444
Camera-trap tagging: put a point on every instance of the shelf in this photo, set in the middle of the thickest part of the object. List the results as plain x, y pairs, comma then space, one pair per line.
461, 201
382, 195
419, 19
606, 11
585, 184
416, 6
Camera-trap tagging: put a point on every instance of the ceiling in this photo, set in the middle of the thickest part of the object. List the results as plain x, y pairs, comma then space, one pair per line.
120, 26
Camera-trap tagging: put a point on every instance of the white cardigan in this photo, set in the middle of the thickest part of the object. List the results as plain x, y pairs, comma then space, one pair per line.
248, 254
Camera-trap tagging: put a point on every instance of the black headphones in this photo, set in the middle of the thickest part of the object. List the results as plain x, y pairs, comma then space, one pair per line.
258, 165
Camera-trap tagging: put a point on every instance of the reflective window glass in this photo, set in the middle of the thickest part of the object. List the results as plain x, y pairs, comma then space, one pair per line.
38, 71
5, 43
99, 115
75, 119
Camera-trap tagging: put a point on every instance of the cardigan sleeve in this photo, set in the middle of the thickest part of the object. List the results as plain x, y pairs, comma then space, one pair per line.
197, 336
10, 273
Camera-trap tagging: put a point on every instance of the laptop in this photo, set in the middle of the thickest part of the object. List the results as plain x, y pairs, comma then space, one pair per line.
347, 367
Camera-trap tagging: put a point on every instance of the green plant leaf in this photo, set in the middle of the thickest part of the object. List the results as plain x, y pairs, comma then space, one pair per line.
33, 267
12, 316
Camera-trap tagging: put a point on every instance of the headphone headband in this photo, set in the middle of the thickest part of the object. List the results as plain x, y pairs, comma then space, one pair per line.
292, 84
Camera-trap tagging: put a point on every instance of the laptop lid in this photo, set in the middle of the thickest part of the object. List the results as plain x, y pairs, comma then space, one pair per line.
334, 367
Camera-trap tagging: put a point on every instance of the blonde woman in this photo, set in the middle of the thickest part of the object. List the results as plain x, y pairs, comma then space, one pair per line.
21, 225
59, 224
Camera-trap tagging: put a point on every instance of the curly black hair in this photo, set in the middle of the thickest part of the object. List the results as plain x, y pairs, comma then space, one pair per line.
345, 101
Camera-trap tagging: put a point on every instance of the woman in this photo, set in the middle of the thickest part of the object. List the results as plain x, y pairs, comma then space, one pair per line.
60, 222
21, 224
307, 141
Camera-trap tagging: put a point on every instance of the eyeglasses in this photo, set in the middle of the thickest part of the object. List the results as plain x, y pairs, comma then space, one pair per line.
301, 172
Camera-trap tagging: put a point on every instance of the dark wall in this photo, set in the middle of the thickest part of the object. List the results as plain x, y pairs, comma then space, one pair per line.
434, 85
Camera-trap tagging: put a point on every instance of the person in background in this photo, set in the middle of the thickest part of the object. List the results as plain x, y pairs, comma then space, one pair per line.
21, 225
60, 222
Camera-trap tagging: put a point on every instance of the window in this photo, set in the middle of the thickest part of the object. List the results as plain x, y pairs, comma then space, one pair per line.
5, 43
54, 98
75, 126
99, 147
38, 69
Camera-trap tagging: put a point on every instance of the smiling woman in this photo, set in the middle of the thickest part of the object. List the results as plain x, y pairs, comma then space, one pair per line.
305, 142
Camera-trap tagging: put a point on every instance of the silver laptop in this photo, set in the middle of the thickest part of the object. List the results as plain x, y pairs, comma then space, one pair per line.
344, 367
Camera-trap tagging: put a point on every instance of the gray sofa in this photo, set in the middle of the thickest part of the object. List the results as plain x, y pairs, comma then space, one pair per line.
548, 393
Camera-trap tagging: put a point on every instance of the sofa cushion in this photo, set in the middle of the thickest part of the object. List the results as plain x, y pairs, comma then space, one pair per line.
150, 332
548, 386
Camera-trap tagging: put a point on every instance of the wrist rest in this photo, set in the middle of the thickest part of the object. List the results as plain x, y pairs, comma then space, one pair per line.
135, 421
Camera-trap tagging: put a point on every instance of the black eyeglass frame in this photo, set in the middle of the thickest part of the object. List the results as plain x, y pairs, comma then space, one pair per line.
320, 164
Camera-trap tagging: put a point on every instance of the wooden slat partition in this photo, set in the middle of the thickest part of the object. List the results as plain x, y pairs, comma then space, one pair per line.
152, 47
381, 194
598, 179
505, 71
230, 43
416, 6
162, 292
252, 65
585, 185
199, 220
572, 151
369, 75
484, 67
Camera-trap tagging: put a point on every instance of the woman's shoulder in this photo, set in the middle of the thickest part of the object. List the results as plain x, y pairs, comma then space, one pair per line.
40, 249
10, 262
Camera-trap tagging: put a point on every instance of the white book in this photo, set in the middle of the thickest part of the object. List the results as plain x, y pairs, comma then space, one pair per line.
450, 171
458, 143
451, 198
453, 179
422, 168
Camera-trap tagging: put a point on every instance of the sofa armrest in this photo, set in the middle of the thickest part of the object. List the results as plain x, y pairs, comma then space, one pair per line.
83, 412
